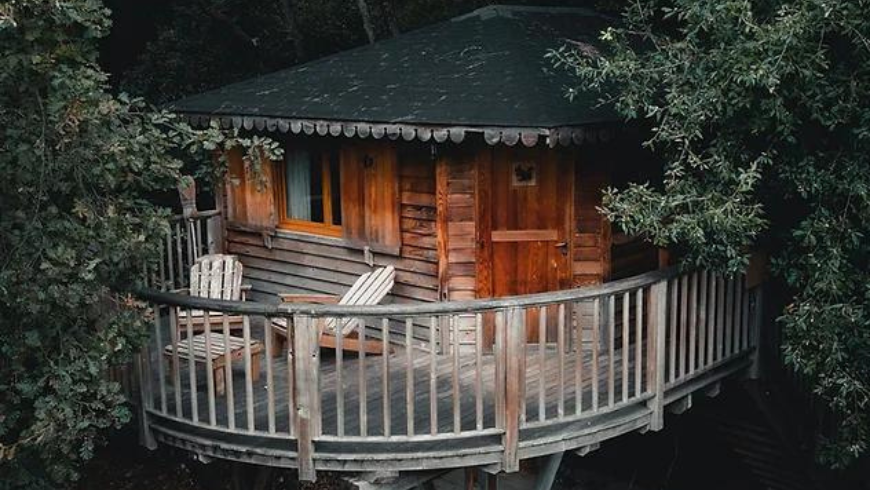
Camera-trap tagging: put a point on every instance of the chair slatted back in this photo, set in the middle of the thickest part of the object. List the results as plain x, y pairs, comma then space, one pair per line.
369, 289
216, 276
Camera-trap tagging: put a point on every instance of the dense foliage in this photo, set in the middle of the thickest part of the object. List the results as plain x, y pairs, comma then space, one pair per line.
762, 112
79, 169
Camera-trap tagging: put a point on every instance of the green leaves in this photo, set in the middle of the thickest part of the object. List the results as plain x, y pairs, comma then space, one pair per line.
761, 111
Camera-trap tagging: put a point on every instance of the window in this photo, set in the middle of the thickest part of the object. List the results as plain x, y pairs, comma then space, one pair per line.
309, 192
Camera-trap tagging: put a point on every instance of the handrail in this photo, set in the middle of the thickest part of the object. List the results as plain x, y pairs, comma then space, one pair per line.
400, 310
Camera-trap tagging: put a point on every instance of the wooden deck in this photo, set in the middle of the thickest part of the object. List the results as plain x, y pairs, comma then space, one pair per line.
607, 361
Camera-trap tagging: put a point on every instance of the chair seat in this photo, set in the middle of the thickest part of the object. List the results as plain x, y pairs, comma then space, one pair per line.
219, 347
197, 318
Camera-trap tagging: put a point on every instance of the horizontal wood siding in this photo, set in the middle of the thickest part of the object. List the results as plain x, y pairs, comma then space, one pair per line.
417, 203
300, 264
591, 254
461, 226
632, 257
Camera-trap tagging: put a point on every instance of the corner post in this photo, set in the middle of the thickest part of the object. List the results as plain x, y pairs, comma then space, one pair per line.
146, 436
305, 347
514, 386
656, 353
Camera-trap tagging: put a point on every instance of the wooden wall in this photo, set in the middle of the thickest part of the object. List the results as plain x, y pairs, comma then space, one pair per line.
278, 261
591, 254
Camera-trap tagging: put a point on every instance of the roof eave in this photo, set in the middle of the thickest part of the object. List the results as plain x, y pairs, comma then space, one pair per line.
562, 135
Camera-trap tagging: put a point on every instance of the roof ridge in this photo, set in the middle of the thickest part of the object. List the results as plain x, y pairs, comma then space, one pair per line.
504, 10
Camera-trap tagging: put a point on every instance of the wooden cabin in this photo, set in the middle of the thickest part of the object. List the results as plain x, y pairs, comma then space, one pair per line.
451, 153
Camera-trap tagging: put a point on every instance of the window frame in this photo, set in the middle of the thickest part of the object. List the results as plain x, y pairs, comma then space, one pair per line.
327, 228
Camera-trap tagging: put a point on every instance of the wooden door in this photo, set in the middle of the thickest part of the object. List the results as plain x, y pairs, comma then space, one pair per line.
530, 222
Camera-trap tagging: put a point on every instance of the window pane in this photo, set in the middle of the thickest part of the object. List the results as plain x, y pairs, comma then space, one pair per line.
335, 186
316, 188
298, 175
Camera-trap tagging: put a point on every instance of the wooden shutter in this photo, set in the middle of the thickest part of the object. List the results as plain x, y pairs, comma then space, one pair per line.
370, 197
250, 202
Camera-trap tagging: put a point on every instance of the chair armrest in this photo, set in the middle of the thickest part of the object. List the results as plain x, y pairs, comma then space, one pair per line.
246, 287
320, 299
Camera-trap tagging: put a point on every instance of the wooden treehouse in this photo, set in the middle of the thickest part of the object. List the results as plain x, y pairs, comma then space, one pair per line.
424, 281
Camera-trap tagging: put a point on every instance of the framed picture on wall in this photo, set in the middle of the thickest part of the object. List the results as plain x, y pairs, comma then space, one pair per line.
524, 174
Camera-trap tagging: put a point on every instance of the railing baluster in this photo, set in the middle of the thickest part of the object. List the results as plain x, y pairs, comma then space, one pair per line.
175, 366
560, 346
729, 317
385, 374
747, 293
702, 319
478, 371
611, 349
198, 241
270, 376
672, 331
409, 375
693, 322
638, 341
170, 263
457, 415
738, 315
339, 382
684, 313
578, 361
626, 304
433, 377
209, 369
179, 257
363, 395
711, 320
542, 363
291, 373
162, 271
249, 375
228, 374
191, 368
596, 327
720, 319
161, 374
500, 368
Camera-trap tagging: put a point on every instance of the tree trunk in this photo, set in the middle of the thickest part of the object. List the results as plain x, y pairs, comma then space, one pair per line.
366, 15
390, 15
292, 28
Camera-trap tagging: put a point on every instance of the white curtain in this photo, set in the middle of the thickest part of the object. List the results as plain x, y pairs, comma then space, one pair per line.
298, 175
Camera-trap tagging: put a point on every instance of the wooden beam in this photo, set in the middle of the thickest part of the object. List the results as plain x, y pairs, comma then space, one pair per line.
547, 474
680, 406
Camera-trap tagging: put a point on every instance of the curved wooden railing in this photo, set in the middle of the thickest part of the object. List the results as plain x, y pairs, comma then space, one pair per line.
565, 370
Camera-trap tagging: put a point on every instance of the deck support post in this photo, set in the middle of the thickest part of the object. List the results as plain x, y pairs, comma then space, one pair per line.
656, 354
547, 474
756, 333
306, 348
515, 334
146, 436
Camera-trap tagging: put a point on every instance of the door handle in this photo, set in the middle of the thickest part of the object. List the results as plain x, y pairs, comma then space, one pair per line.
563, 247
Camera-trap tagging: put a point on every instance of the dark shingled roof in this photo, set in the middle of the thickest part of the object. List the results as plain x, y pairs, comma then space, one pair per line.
483, 69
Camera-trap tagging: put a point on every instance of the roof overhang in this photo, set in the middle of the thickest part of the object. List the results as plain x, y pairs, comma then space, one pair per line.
510, 136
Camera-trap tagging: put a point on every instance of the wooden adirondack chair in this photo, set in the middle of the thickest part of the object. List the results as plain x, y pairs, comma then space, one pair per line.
214, 276
369, 289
